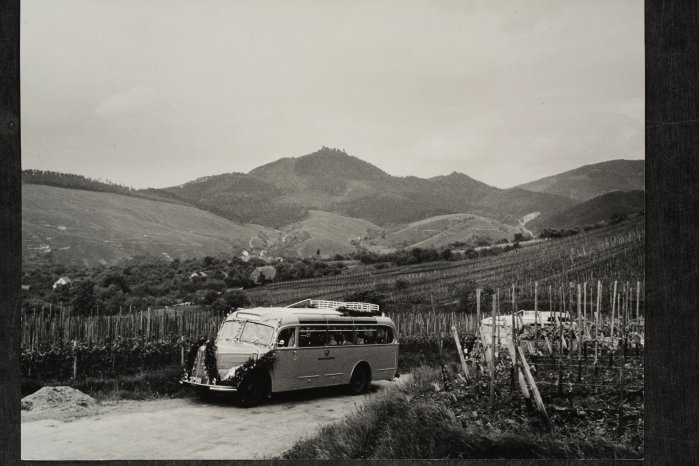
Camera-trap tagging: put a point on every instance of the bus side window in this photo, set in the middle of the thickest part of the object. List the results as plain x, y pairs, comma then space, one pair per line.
287, 336
340, 335
366, 335
385, 335
312, 336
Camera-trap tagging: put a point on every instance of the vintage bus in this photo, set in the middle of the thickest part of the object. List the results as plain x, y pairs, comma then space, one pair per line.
315, 343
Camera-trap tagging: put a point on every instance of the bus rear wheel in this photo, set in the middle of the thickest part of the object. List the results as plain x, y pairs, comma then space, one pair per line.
252, 392
360, 380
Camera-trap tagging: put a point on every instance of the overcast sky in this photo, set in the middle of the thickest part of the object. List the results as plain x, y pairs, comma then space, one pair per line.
156, 93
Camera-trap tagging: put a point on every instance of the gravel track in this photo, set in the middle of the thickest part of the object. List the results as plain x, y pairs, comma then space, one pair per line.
186, 428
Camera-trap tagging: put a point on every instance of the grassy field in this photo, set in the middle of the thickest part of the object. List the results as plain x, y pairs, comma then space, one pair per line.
89, 228
418, 420
92, 228
442, 230
322, 231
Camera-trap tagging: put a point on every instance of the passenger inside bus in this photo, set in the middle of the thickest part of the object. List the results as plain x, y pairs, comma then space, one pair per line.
312, 336
366, 336
340, 335
286, 338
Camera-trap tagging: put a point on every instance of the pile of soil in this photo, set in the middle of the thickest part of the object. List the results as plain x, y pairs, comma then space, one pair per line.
60, 398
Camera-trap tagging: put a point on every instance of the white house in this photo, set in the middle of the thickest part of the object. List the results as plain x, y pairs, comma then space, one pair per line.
62, 282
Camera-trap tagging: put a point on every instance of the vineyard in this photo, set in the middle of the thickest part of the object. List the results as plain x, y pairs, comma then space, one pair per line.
580, 376
613, 253
423, 307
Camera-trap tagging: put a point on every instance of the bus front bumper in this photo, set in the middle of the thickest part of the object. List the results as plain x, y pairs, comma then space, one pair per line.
195, 382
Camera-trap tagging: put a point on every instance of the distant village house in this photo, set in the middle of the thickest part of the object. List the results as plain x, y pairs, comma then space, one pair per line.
63, 281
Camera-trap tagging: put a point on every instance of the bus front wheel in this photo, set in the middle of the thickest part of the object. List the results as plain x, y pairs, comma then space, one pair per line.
202, 392
360, 380
252, 392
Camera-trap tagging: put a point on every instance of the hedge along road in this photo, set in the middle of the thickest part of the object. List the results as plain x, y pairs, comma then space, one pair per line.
188, 428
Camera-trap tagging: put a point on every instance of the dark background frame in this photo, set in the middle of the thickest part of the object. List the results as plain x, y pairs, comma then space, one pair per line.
672, 254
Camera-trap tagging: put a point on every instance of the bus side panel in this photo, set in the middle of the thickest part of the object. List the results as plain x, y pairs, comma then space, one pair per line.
384, 362
338, 364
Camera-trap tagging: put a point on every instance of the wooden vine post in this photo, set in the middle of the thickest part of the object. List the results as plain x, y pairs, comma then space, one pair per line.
613, 311
478, 312
580, 337
638, 303
464, 367
584, 307
580, 323
621, 377
551, 305
536, 315
532, 385
520, 376
478, 349
599, 300
75, 359
492, 356
497, 316
513, 333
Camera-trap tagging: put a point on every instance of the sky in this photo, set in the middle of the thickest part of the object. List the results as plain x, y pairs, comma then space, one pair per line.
154, 93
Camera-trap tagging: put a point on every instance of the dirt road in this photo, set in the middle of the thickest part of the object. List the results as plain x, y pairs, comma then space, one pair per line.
186, 428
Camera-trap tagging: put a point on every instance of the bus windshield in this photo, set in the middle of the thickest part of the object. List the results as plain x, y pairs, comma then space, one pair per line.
257, 334
230, 330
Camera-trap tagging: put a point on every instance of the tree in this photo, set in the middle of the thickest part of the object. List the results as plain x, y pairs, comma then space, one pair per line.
113, 277
231, 300
210, 296
84, 298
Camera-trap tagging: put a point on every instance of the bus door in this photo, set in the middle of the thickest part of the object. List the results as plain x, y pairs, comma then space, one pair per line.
310, 354
286, 366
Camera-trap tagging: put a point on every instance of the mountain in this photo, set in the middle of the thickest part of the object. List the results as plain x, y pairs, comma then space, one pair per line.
282, 192
509, 205
239, 197
332, 180
327, 200
590, 181
598, 209
91, 228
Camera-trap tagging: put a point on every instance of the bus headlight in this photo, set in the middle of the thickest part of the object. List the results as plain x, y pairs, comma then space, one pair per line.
230, 373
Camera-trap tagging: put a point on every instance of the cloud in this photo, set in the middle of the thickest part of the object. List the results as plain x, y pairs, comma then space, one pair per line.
131, 101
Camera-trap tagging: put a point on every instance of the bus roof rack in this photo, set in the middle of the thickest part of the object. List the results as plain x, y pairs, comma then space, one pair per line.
337, 305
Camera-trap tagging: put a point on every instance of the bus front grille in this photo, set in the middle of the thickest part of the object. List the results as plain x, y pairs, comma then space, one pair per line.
199, 367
